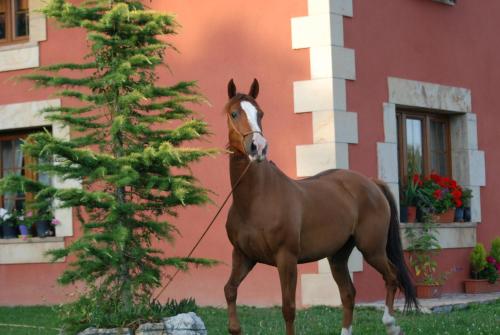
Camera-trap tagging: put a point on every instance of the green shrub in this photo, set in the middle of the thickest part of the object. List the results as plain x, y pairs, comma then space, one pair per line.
495, 249
478, 258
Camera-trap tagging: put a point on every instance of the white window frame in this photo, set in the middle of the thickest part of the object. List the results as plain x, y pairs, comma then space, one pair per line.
26, 55
27, 115
468, 162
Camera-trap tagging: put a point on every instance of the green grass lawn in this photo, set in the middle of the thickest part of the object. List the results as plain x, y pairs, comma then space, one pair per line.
481, 319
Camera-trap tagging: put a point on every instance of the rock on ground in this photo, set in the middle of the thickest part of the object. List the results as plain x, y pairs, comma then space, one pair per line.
185, 324
151, 329
181, 324
114, 331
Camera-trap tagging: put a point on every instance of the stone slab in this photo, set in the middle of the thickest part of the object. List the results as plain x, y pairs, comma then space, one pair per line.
450, 235
387, 154
428, 95
24, 57
17, 251
319, 289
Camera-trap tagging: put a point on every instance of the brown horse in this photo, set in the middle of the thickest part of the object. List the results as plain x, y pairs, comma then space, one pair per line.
283, 222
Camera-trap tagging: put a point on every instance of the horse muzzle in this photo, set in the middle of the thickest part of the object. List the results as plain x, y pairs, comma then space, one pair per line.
257, 147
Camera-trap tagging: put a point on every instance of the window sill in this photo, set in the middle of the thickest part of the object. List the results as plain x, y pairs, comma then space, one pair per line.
450, 235
32, 250
447, 2
19, 56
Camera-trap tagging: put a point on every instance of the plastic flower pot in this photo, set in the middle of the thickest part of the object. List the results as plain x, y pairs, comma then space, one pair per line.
467, 214
9, 230
23, 230
403, 214
459, 214
43, 228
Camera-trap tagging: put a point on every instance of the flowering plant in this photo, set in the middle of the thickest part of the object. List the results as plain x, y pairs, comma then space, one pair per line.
440, 193
483, 266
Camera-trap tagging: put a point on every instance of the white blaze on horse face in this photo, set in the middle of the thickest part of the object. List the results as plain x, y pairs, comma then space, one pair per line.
257, 138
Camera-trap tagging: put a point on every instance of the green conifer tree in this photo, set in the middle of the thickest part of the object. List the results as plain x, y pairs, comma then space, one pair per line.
128, 149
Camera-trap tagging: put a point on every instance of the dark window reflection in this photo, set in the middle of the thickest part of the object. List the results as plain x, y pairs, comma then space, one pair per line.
2, 19
21, 18
414, 146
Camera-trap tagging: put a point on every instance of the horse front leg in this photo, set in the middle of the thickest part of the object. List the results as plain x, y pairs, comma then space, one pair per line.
240, 268
287, 268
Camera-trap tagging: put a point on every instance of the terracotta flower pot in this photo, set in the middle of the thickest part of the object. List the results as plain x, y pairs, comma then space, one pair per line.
474, 286
425, 291
446, 217
412, 214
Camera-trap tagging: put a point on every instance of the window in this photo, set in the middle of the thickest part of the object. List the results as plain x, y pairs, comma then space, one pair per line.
14, 22
13, 161
423, 143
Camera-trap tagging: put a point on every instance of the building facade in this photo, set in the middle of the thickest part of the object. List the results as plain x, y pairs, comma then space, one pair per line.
342, 83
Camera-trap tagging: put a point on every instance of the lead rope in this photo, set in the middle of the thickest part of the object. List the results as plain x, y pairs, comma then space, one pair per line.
171, 279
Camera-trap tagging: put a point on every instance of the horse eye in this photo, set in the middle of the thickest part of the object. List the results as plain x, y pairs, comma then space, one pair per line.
234, 115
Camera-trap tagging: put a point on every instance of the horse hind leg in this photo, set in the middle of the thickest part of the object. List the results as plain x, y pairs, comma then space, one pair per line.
241, 266
389, 272
340, 272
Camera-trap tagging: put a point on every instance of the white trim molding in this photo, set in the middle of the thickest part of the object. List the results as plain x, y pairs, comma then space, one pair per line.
27, 115
26, 55
334, 127
468, 163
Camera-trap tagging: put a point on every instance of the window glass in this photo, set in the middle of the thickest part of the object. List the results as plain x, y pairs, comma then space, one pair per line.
3, 25
414, 146
438, 147
21, 22
12, 162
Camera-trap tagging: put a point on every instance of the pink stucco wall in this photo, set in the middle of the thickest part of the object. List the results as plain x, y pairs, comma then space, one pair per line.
221, 39
218, 40
426, 41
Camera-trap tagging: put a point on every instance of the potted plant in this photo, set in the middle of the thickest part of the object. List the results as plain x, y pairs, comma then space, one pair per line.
484, 269
9, 225
24, 225
444, 195
423, 247
466, 200
495, 249
409, 199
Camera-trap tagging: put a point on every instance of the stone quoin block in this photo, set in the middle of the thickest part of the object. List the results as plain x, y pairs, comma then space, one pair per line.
387, 154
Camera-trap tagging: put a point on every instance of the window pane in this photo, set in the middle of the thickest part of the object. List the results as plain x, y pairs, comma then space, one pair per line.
438, 147
2, 26
3, 8
21, 22
7, 157
414, 146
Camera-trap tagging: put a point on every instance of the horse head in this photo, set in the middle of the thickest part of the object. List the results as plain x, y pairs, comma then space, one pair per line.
244, 122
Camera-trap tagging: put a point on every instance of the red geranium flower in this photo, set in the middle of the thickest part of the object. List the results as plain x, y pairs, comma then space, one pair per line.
458, 203
435, 178
491, 260
438, 193
416, 180
457, 194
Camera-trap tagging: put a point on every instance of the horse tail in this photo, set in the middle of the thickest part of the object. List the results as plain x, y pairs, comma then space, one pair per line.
395, 253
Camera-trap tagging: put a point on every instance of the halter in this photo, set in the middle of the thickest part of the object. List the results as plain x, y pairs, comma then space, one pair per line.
245, 134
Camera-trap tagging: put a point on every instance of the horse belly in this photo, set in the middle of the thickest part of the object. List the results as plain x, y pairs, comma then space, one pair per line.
323, 233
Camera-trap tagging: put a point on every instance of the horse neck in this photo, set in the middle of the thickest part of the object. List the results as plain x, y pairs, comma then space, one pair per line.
255, 181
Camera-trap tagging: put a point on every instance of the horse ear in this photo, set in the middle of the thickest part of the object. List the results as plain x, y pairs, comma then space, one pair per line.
231, 89
254, 89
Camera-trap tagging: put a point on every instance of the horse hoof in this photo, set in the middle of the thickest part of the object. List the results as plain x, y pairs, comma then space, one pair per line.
235, 330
